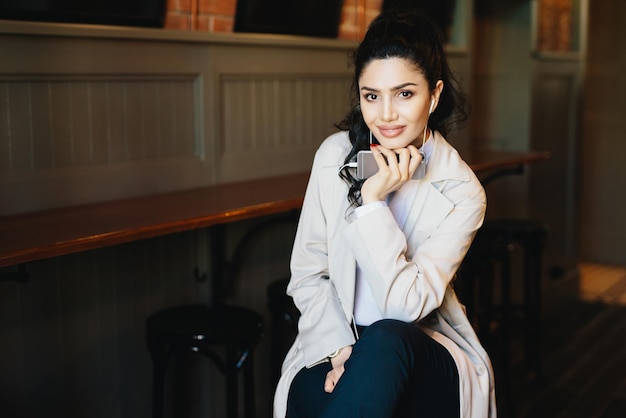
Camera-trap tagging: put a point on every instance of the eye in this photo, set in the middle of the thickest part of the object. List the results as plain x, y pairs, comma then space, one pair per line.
371, 96
406, 93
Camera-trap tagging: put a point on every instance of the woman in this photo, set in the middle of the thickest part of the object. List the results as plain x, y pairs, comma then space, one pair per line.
381, 332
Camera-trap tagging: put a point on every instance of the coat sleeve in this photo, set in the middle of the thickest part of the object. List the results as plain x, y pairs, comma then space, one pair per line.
323, 326
409, 271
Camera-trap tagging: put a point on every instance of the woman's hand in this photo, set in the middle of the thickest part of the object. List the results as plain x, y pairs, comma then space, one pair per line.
395, 167
333, 376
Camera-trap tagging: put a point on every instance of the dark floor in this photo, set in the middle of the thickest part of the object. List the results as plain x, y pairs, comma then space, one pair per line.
584, 368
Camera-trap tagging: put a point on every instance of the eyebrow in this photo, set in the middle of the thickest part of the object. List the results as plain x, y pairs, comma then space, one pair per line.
395, 88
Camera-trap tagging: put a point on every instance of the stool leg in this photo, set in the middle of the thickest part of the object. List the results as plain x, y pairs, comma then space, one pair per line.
160, 359
532, 306
232, 386
485, 312
248, 382
505, 332
275, 341
158, 391
180, 359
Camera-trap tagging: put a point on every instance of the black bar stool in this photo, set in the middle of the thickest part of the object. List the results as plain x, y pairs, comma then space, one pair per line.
202, 329
207, 329
486, 267
485, 263
529, 236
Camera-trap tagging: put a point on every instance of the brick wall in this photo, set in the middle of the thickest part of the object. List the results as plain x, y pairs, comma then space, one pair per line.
355, 17
219, 15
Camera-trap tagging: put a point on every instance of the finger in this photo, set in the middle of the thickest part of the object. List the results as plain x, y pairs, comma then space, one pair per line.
391, 157
404, 161
413, 150
389, 168
404, 154
416, 159
377, 152
329, 384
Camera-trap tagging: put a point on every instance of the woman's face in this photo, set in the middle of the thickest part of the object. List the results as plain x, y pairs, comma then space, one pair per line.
395, 101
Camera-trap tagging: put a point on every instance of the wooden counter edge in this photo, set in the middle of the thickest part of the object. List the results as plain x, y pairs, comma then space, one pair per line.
128, 235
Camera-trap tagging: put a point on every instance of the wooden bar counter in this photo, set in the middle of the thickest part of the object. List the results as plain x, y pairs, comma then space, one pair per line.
38, 235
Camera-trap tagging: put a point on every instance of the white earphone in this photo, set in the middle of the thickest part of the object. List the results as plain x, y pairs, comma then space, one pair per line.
432, 104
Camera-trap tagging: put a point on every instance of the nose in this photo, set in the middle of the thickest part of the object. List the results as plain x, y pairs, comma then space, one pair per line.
388, 110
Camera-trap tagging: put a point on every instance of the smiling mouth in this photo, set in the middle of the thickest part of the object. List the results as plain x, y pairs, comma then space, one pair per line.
391, 131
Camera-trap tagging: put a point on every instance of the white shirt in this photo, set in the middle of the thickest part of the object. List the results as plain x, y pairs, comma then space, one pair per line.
366, 311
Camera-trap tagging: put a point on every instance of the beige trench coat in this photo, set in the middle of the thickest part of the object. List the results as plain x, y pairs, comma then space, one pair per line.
409, 267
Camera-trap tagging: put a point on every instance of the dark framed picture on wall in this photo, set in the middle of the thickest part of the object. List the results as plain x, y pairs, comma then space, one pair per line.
319, 18
145, 13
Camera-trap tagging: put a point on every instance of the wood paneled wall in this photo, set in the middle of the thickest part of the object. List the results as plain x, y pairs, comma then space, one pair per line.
91, 114
73, 336
603, 147
86, 119
104, 120
96, 114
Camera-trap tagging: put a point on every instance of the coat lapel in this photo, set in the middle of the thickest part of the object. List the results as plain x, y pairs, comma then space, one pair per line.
445, 163
430, 207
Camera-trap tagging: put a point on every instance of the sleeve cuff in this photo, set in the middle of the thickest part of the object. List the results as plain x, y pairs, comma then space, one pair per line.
370, 207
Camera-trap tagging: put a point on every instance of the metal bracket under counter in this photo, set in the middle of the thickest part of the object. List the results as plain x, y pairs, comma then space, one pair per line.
19, 276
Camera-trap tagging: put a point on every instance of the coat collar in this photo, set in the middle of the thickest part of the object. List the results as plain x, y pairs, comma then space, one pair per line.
445, 162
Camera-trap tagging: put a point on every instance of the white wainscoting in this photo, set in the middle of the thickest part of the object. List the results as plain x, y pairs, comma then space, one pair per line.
273, 124
91, 114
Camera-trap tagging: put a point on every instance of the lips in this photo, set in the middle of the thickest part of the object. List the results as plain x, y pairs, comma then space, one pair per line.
391, 131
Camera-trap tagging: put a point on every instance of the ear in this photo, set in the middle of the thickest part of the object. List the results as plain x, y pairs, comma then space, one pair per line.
435, 95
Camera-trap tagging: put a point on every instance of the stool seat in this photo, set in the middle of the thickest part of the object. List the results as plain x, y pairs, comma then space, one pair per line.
203, 325
281, 304
202, 329
515, 229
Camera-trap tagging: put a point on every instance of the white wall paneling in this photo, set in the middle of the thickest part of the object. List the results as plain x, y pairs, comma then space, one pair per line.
272, 123
90, 115
94, 113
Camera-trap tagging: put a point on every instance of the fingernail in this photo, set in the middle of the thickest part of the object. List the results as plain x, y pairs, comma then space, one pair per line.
373, 145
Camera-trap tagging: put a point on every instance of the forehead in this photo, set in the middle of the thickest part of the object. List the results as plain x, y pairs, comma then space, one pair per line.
392, 70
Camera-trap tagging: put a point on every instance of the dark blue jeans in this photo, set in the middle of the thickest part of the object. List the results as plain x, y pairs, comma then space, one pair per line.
395, 370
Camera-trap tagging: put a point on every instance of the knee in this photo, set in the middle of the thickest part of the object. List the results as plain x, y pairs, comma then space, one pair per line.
385, 347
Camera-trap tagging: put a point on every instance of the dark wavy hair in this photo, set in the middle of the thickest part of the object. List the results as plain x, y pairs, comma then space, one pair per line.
415, 37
